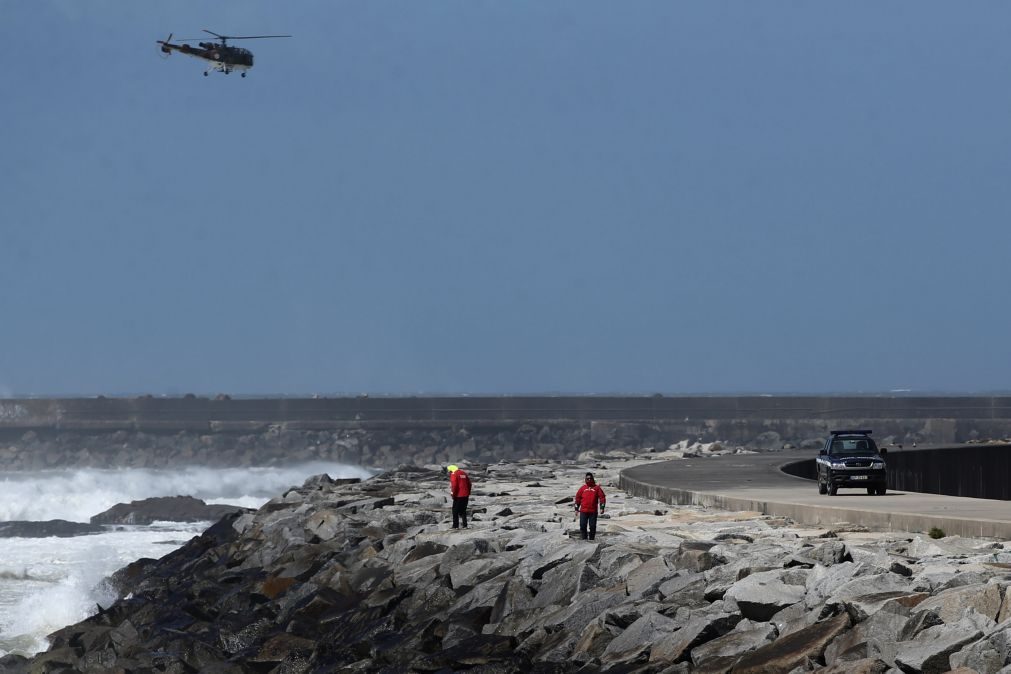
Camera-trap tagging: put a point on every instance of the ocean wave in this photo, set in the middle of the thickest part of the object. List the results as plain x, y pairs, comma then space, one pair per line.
25, 575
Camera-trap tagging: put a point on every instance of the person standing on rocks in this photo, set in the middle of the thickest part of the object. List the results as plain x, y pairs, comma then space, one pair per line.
459, 488
588, 496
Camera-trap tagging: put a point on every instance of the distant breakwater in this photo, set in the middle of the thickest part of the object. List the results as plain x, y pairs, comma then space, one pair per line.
383, 432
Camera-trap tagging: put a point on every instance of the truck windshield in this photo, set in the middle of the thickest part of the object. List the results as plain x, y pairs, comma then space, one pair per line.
853, 446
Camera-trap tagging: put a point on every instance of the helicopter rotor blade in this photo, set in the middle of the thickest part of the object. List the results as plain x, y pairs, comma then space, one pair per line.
239, 37
254, 37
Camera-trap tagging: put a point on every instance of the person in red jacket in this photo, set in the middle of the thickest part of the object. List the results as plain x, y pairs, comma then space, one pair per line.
588, 496
459, 488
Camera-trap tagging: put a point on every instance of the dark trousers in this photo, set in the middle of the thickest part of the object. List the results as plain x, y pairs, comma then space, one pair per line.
587, 520
460, 511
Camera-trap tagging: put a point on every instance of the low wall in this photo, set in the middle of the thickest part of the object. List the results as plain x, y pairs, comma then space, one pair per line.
975, 471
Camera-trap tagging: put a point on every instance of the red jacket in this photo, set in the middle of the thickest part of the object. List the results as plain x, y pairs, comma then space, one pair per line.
459, 483
588, 497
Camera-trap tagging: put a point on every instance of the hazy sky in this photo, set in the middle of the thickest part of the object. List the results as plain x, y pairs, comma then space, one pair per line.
506, 197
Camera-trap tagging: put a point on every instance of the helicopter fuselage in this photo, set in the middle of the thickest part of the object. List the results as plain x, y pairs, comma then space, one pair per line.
224, 59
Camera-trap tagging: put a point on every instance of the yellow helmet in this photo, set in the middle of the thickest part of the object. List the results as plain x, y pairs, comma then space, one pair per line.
452, 468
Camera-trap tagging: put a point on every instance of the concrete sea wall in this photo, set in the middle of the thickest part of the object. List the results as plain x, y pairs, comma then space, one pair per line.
386, 431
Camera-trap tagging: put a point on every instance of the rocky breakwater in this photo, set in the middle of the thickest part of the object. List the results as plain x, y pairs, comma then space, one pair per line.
348, 576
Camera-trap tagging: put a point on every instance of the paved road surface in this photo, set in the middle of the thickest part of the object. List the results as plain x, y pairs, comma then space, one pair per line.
754, 482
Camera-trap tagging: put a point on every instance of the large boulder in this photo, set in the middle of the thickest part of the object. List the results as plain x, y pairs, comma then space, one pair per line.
793, 650
165, 509
929, 652
761, 595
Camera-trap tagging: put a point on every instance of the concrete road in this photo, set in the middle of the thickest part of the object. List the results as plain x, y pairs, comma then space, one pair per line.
755, 482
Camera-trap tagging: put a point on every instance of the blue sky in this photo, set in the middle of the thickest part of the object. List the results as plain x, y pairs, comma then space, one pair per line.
506, 197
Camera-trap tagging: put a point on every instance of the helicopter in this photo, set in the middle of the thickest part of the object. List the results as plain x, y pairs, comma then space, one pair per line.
223, 58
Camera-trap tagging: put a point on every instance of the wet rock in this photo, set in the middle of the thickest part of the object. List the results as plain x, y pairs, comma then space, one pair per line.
165, 509
47, 529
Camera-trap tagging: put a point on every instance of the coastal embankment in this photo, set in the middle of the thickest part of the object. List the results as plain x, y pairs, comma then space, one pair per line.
366, 576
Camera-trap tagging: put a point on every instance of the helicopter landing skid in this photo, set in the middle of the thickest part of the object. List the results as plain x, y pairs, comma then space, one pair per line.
226, 69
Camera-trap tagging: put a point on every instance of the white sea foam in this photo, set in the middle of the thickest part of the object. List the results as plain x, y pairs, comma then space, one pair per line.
47, 583
79, 494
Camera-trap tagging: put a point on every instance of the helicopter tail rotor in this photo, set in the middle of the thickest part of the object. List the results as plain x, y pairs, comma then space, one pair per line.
164, 45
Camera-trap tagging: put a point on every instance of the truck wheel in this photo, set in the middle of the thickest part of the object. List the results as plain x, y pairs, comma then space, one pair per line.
832, 490
822, 489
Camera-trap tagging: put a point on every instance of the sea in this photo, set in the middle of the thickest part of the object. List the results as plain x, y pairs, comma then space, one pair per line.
49, 583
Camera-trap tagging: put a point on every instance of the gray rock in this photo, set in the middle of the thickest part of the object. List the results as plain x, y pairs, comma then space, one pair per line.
476, 571
929, 651
47, 529
918, 621
874, 638
864, 666
696, 556
584, 608
701, 627
872, 589
423, 549
647, 577
638, 638
735, 643
594, 640
685, 589
823, 581
558, 585
793, 650
950, 604
829, 553
989, 654
761, 595
164, 508
797, 617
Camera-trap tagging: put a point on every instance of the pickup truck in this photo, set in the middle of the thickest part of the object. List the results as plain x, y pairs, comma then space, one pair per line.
851, 459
